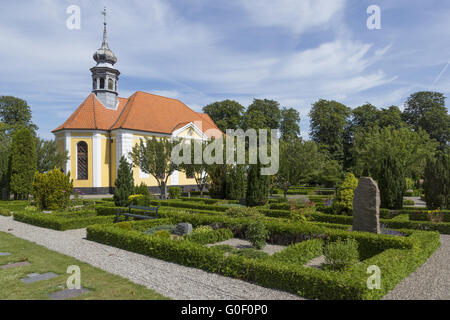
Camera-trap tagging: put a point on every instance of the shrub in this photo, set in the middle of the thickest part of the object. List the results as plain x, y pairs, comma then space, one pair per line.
343, 204
392, 183
22, 163
140, 200
300, 253
125, 225
52, 190
437, 181
235, 183
5, 212
257, 234
124, 184
243, 212
257, 186
408, 202
205, 235
174, 192
142, 189
165, 234
340, 255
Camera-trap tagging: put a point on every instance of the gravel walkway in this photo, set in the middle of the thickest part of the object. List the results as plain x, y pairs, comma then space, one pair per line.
431, 281
169, 279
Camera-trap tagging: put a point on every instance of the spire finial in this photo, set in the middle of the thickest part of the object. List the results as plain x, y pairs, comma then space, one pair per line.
104, 26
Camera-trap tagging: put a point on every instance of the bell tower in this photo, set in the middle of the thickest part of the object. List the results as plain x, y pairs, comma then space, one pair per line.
105, 78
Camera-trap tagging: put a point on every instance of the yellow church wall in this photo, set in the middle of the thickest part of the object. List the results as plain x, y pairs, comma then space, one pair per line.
105, 159
73, 163
112, 169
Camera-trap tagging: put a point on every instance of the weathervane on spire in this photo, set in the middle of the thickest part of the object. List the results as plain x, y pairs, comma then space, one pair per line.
104, 14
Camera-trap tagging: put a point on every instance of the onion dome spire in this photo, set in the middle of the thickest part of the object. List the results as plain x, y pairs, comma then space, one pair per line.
104, 54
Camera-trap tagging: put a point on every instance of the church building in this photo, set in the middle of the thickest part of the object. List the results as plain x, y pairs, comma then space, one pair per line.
105, 127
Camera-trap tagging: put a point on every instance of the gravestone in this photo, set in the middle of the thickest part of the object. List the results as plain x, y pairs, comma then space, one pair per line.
33, 277
68, 293
366, 206
14, 265
183, 228
2, 254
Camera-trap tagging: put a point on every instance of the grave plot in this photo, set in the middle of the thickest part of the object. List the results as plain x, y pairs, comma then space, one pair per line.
286, 269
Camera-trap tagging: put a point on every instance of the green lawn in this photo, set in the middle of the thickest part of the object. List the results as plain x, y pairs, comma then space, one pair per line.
102, 285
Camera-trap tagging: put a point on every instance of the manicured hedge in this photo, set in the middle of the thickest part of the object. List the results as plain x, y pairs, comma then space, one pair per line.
59, 222
210, 236
396, 262
5, 212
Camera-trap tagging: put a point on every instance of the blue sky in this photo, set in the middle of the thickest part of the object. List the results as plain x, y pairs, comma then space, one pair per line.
201, 51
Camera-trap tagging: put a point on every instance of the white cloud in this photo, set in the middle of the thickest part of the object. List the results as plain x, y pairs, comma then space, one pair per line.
294, 15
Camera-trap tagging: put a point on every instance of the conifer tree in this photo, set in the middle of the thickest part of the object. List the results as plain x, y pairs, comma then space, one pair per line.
22, 163
392, 183
235, 183
257, 186
437, 181
124, 184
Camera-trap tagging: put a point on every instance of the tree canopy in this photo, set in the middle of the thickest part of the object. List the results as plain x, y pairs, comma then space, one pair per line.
226, 114
328, 120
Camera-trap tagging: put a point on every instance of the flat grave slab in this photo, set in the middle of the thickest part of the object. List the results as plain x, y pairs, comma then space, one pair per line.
33, 277
14, 265
68, 293
2, 254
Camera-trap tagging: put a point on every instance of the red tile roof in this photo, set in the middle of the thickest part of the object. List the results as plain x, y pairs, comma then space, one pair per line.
141, 112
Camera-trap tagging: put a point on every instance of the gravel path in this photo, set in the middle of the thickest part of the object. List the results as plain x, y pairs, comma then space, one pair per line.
431, 281
417, 202
169, 279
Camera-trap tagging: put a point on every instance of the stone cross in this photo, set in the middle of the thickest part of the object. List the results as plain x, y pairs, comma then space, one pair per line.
366, 206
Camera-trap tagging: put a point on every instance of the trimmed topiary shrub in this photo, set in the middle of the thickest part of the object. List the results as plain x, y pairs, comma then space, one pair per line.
174, 192
52, 190
257, 234
339, 255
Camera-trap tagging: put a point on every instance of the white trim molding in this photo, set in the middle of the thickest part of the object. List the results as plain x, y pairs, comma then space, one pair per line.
174, 178
68, 147
97, 160
124, 146
192, 125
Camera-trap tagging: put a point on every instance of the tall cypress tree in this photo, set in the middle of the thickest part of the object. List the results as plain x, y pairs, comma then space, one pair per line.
235, 183
22, 163
437, 181
392, 183
124, 184
257, 186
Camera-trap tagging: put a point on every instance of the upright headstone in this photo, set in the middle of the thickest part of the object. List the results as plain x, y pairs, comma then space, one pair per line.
183, 228
366, 206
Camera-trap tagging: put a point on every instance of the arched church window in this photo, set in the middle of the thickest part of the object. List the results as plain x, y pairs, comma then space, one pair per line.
94, 84
102, 83
82, 161
110, 84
